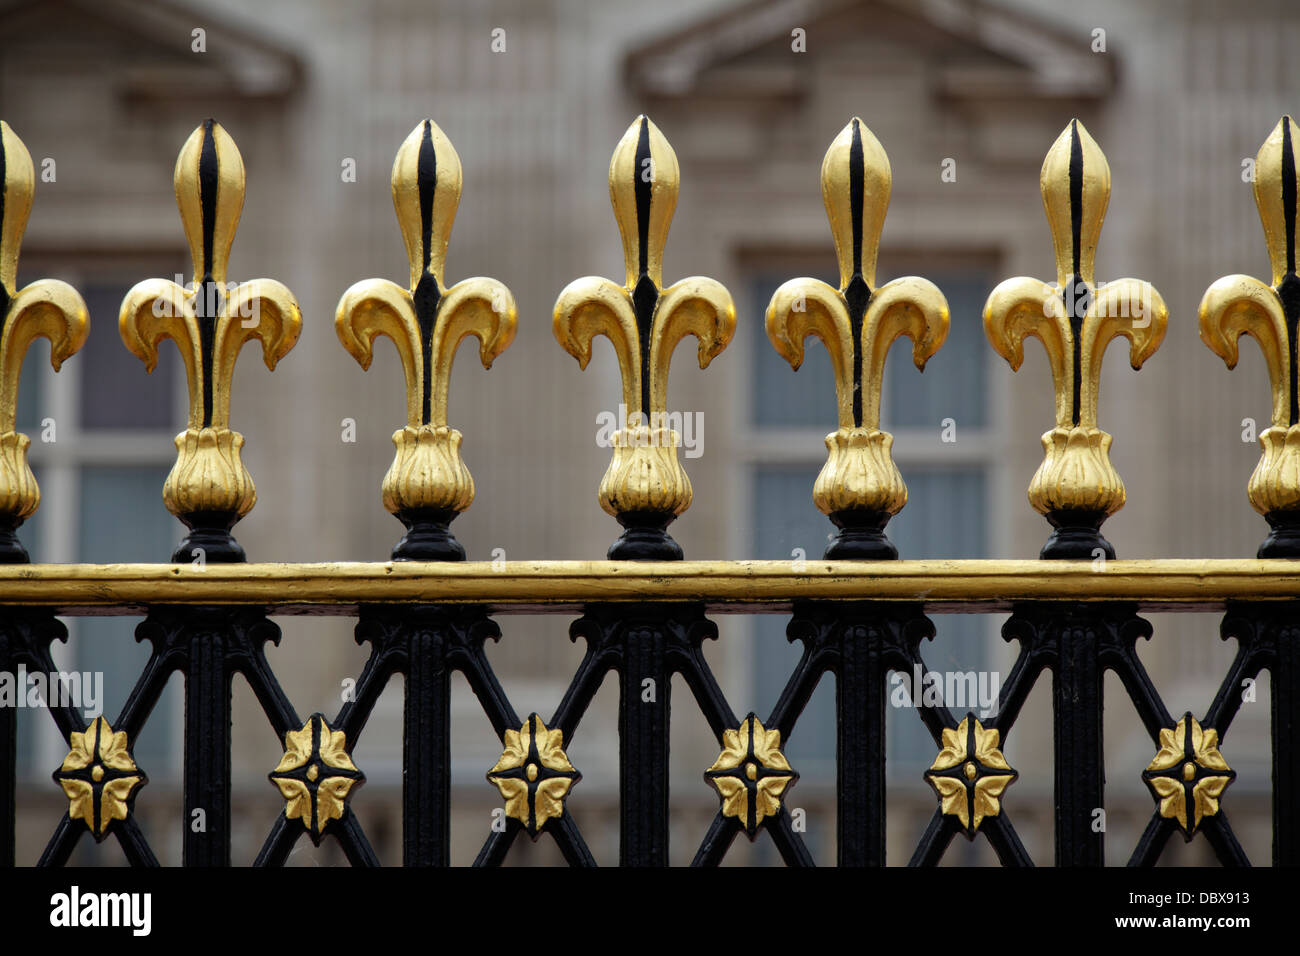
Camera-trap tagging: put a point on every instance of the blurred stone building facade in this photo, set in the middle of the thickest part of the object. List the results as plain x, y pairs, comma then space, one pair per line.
750, 95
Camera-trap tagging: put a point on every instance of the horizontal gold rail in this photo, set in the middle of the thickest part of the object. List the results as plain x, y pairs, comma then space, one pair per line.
723, 586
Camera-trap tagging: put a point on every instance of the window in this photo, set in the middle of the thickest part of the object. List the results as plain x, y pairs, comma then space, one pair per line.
101, 432
951, 481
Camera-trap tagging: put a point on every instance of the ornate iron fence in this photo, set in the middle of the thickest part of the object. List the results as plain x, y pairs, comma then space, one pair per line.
644, 613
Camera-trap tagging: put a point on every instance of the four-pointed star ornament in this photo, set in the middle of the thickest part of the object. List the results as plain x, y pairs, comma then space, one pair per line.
534, 774
316, 775
970, 774
99, 777
751, 774
1188, 775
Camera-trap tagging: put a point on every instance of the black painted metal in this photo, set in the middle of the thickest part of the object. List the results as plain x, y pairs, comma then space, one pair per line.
859, 642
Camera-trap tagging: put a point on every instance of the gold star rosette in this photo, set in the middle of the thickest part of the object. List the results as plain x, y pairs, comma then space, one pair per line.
1188, 776
47, 308
316, 775
1240, 305
970, 774
645, 486
99, 777
859, 487
428, 483
751, 775
534, 775
1075, 487
210, 320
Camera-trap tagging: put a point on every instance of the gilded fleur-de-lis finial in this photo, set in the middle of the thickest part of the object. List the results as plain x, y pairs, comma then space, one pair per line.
47, 308
859, 487
645, 487
1076, 487
428, 483
1240, 305
209, 488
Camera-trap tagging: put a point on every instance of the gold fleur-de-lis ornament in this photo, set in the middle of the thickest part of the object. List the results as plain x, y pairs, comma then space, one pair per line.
1240, 305
46, 307
1075, 487
645, 487
210, 319
428, 483
859, 487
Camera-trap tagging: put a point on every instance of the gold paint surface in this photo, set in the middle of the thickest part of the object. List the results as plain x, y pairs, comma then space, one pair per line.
209, 474
767, 790
427, 471
645, 473
980, 793
524, 792
561, 586
1076, 473
860, 472
1171, 788
1238, 305
322, 796
46, 308
112, 753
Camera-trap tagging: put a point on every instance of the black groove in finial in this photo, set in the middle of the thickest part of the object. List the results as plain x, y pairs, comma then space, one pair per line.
426, 295
1076, 291
645, 296
1288, 289
209, 297
4, 188
857, 293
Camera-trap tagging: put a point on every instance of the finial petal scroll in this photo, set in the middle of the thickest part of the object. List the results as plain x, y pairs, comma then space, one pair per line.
1076, 487
594, 306
696, 306
645, 486
428, 483
46, 308
860, 487
1022, 308
803, 308
209, 488
1238, 305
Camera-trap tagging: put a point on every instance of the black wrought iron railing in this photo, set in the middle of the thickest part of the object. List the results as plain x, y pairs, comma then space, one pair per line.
858, 614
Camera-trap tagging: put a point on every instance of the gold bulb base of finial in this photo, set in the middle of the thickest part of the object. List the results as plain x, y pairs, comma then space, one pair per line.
19, 495
645, 475
209, 475
860, 474
1076, 474
1275, 484
428, 472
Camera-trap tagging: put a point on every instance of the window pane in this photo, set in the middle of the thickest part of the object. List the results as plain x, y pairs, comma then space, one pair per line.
782, 397
784, 519
946, 519
36, 364
122, 519
953, 385
115, 390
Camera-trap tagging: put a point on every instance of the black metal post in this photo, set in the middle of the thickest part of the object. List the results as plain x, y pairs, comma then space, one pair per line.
643, 708
860, 748
206, 823
426, 752
1079, 775
1285, 694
